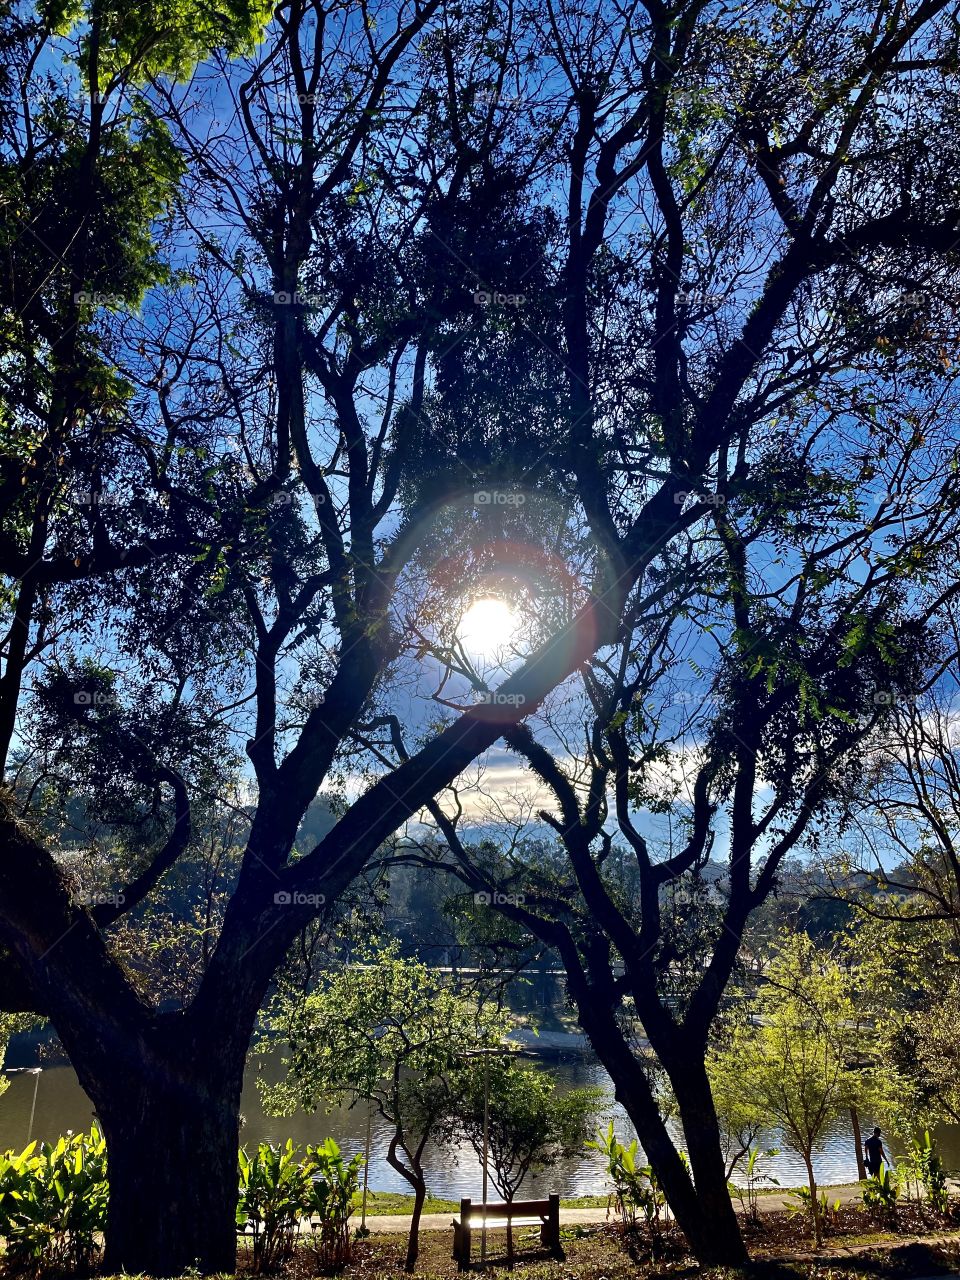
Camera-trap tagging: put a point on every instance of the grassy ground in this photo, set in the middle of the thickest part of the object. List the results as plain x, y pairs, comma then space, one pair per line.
601, 1253
857, 1248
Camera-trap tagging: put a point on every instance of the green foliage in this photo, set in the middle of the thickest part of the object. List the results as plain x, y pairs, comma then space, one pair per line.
387, 1029
531, 1125
391, 1031
133, 42
748, 1194
636, 1191
880, 1195
787, 1053
53, 1203
333, 1185
10, 1023
800, 1202
274, 1184
278, 1189
924, 1166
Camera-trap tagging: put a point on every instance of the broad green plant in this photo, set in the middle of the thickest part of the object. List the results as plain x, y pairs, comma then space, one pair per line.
880, 1195
636, 1194
926, 1168
748, 1193
279, 1189
332, 1186
274, 1190
799, 1203
53, 1203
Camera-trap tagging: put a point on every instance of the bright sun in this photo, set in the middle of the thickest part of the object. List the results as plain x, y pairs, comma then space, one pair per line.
487, 628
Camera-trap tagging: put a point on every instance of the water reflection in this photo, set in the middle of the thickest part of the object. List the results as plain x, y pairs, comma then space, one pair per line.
62, 1105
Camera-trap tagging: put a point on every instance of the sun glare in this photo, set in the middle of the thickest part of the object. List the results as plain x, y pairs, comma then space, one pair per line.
488, 627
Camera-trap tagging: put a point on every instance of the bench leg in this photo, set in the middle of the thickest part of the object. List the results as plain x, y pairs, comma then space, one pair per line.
553, 1224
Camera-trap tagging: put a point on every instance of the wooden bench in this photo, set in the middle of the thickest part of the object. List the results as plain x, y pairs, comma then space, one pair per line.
544, 1214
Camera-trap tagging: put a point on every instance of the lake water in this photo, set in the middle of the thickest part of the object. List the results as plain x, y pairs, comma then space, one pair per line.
62, 1105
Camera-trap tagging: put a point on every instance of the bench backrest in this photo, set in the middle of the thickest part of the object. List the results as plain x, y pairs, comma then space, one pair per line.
515, 1209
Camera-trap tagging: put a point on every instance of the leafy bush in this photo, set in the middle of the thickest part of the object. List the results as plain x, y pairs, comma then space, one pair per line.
748, 1194
880, 1195
333, 1183
278, 1189
799, 1203
274, 1185
53, 1203
636, 1192
927, 1168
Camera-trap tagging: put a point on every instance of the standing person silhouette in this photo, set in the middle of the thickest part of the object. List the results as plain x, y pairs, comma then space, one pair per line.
874, 1153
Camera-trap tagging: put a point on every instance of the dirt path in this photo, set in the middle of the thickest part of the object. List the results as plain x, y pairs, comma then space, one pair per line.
395, 1224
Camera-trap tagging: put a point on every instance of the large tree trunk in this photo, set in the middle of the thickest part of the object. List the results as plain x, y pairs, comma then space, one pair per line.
701, 1131
701, 1207
172, 1131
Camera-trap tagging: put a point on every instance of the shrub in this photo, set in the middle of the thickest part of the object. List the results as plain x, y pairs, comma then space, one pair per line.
333, 1184
799, 1203
880, 1195
636, 1192
274, 1185
748, 1194
53, 1203
278, 1189
928, 1169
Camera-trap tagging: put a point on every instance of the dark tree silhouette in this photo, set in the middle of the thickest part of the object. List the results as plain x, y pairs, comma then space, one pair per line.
423, 262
